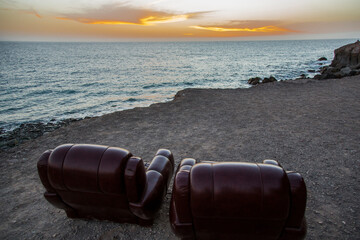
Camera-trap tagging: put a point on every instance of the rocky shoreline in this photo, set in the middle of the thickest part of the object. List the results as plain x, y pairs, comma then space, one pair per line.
29, 131
346, 62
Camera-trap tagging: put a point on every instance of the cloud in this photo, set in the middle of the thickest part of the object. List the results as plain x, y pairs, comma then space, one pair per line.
25, 11
32, 11
119, 14
157, 2
264, 29
257, 26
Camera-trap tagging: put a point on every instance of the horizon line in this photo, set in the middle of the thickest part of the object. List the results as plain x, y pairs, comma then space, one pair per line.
150, 40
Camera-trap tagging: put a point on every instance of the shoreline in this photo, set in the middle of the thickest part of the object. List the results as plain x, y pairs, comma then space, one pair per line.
13, 134
31, 130
309, 126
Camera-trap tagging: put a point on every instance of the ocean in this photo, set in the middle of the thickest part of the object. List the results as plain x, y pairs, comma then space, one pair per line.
43, 81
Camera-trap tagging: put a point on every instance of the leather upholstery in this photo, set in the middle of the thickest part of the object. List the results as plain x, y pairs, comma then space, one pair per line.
234, 200
93, 181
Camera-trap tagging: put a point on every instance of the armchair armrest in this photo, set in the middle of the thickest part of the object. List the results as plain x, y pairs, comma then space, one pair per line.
135, 179
188, 161
146, 190
50, 195
298, 199
273, 162
180, 212
42, 166
166, 153
295, 227
152, 196
163, 163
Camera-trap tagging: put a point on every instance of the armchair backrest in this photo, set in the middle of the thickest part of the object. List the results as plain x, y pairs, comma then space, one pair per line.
239, 198
235, 200
88, 168
94, 181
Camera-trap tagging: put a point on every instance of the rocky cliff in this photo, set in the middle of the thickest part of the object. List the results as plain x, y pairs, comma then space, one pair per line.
346, 62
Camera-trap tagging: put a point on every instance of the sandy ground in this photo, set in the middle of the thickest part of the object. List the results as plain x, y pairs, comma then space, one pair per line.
309, 126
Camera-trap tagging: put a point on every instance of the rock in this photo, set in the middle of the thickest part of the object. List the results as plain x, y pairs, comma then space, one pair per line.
311, 70
273, 79
317, 76
11, 143
270, 79
347, 56
257, 80
336, 75
345, 71
357, 66
265, 80
322, 59
28, 131
354, 72
254, 81
346, 62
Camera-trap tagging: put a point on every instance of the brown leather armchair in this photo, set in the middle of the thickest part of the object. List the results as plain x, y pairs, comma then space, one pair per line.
93, 181
235, 200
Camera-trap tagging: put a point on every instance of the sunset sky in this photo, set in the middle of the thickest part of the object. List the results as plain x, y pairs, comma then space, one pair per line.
117, 20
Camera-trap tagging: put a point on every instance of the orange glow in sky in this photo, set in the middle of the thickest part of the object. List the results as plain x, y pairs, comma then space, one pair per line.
265, 29
171, 19
186, 19
148, 21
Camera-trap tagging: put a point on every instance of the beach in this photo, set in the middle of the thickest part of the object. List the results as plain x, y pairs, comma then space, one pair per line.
309, 126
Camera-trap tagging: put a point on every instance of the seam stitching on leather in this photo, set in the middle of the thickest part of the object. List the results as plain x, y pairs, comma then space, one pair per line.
62, 168
97, 172
262, 191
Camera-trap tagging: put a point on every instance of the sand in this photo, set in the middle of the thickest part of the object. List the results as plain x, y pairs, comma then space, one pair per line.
309, 126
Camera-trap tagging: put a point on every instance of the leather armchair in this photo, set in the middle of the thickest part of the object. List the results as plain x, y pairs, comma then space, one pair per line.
235, 200
108, 183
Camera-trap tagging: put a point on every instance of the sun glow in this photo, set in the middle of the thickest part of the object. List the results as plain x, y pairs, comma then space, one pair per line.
148, 21
265, 29
169, 19
121, 19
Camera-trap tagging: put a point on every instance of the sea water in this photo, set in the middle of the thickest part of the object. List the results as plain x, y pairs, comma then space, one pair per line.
42, 81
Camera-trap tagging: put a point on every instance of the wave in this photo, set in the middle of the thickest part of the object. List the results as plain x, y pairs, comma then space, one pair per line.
132, 100
39, 92
75, 72
157, 85
67, 91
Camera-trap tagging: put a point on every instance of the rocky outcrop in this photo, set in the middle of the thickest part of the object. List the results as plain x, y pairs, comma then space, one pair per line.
347, 56
254, 81
257, 80
346, 62
270, 79
28, 131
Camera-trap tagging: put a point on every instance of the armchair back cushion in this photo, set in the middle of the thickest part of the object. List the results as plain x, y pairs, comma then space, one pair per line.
240, 199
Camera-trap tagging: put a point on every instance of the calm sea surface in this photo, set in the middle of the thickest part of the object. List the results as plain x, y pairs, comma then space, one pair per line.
44, 81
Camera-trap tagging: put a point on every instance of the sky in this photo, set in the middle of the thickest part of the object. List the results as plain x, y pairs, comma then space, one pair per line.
119, 20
